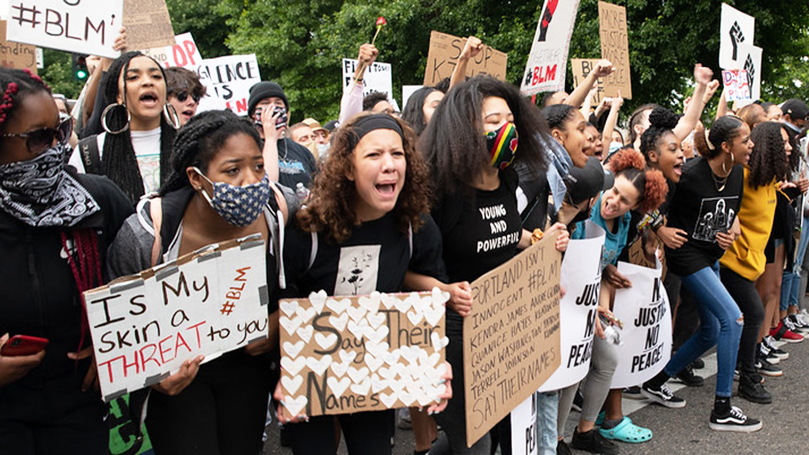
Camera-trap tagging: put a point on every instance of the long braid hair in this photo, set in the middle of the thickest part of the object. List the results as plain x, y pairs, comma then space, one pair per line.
85, 263
119, 162
15, 85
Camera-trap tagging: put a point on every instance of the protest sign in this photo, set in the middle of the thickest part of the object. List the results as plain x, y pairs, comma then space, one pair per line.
228, 80
16, 55
4, 7
581, 68
362, 353
184, 53
82, 26
443, 56
511, 335
377, 78
547, 63
148, 24
737, 85
752, 64
523, 427
735, 29
646, 336
612, 29
581, 280
146, 325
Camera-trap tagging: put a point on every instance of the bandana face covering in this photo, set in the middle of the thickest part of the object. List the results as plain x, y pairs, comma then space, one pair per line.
238, 205
502, 145
39, 192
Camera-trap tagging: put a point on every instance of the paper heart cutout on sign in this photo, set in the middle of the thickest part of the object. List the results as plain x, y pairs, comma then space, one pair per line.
290, 325
305, 313
293, 366
377, 335
357, 374
291, 384
289, 307
295, 405
388, 399
362, 388
439, 297
356, 313
439, 342
403, 305
318, 300
318, 365
339, 368
373, 362
389, 300
371, 302
392, 357
388, 373
340, 322
338, 306
347, 356
375, 320
358, 330
378, 384
410, 353
422, 304
406, 398
293, 349
305, 333
338, 386
429, 360
325, 341
377, 349
415, 317
424, 399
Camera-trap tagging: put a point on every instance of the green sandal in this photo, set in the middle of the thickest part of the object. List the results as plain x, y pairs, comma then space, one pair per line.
626, 431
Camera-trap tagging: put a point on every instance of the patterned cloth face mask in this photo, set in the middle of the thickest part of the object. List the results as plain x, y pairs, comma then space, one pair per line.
238, 205
502, 145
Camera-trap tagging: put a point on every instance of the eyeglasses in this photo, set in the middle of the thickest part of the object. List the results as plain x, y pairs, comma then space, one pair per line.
39, 140
182, 96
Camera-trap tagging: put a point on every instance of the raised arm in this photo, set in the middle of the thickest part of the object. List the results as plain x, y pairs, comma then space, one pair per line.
351, 102
602, 69
471, 49
687, 123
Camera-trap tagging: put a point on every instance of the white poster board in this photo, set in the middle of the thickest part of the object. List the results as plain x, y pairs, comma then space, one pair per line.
752, 64
524, 427
145, 326
735, 29
81, 26
184, 54
646, 337
228, 80
547, 63
581, 280
377, 78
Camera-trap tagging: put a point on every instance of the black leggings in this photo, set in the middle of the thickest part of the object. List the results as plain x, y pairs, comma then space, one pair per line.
744, 293
366, 433
222, 412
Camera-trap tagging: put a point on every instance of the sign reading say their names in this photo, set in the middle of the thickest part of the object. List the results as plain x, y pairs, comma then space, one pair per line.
612, 29
16, 55
547, 63
209, 302
735, 30
443, 56
511, 335
377, 78
228, 80
362, 353
83, 26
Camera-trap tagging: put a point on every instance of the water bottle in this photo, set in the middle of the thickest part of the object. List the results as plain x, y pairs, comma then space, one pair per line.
301, 192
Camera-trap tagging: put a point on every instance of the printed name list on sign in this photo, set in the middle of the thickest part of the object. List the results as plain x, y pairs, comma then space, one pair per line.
362, 353
511, 336
228, 80
145, 326
547, 62
83, 26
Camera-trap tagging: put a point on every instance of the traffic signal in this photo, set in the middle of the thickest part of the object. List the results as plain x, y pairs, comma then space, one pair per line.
79, 66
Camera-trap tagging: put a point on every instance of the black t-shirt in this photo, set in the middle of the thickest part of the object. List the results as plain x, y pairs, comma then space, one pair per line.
295, 164
374, 258
702, 211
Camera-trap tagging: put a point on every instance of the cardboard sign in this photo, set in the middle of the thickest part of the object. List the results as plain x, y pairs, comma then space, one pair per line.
523, 427
16, 55
581, 68
83, 26
443, 56
228, 80
646, 337
209, 302
752, 64
348, 354
735, 29
581, 280
511, 336
547, 63
377, 78
612, 29
148, 24
184, 53
737, 85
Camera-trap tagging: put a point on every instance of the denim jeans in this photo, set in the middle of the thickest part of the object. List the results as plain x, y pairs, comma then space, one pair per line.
720, 321
790, 290
547, 409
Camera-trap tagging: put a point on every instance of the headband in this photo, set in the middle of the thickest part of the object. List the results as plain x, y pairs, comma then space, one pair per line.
374, 122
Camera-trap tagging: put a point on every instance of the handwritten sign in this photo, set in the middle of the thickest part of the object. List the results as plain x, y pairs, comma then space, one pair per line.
646, 336
148, 24
547, 63
377, 78
737, 85
735, 29
615, 48
511, 336
228, 80
443, 56
145, 326
16, 55
83, 26
581, 280
581, 68
184, 53
349, 354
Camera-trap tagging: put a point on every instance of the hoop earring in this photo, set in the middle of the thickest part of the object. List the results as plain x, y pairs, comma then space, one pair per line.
109, 109
171, 116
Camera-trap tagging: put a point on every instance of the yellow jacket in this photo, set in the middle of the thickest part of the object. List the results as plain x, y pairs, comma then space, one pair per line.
746, 255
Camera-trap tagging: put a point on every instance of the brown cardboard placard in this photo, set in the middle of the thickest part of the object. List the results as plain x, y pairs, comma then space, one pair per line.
581, 68
615, 48
443, 55
16, 55
148, 24
511, 337
361, 353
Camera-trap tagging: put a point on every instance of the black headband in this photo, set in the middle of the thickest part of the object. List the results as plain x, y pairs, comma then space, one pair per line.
374, 122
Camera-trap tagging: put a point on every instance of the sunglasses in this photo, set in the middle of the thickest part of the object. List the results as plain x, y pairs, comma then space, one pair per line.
182, 96
40, 140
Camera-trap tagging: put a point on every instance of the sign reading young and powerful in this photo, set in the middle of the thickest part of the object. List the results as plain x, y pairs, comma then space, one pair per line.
443, 56
511, 336
228, 80
615, 48
362, 353
210, 302
547, 62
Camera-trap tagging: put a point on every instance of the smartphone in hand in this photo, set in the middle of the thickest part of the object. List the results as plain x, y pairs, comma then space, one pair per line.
21, 345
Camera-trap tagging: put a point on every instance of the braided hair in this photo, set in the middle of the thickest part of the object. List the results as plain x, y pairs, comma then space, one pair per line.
558, 114
200, 139
17, 84
119, 162
85, 264
661, 122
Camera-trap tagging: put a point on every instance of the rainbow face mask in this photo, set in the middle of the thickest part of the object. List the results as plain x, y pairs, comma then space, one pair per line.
502, 145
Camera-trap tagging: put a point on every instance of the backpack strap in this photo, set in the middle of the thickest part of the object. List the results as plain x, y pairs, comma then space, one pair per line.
156, 211
90, 156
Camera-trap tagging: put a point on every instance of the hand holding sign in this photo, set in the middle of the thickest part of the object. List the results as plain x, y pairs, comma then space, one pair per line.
460, 299
177, 382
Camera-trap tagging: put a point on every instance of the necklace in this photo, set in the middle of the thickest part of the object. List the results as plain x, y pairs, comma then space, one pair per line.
284, 158
719, 183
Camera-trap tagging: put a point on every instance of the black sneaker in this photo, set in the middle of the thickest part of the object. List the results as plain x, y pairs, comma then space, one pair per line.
765, 368
774, 350
593, 442
798, 325
562, 448
698, 364
734, 420
662, 396
766, 352
687, 377
633, 392
750, 389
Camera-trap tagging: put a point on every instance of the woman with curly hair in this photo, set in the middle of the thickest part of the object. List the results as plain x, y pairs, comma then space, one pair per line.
361, 230
706, 207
